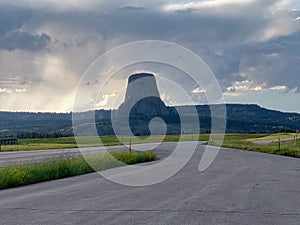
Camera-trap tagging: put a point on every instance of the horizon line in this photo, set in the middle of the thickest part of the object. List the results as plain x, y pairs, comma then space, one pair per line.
183, 105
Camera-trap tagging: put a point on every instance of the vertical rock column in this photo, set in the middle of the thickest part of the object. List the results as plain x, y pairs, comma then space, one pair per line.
142, 97
142, 104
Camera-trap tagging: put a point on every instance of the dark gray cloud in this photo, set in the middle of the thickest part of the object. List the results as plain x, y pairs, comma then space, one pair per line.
240, 40
24, 41
12, 19
275, 63
229, 39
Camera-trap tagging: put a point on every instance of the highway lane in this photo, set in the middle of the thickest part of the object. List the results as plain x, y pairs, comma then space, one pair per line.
240, 187
27, 157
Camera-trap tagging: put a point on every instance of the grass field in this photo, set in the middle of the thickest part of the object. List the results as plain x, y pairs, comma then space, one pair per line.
70, 142
245, 142
15, 176
274, 137
238, 141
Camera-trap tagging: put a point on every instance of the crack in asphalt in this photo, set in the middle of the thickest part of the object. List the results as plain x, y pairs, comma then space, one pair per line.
155, 210
256, 185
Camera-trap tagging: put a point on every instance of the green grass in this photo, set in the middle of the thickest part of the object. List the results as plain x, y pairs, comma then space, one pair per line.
28, 174
70, 142
238, 141
272, 137
15, 176
244, 142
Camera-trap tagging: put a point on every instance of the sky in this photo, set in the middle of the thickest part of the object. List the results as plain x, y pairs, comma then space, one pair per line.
252, 47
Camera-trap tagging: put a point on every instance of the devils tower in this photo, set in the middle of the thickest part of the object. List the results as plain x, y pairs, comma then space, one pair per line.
142, 103
142, 97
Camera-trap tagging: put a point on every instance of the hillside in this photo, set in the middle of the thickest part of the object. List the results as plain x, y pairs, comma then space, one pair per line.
240, 119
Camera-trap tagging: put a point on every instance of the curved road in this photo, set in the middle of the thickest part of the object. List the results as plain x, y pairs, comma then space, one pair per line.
240, 187
28, 157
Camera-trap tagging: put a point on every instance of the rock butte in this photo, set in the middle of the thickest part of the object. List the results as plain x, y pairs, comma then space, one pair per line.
142, 97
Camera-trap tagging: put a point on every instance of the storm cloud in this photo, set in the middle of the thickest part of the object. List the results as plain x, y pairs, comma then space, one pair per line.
245, 40
12, 20
24, 41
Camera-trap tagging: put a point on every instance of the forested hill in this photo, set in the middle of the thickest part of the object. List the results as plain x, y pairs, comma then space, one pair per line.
35, 125
240, 119
40, 125
255, 119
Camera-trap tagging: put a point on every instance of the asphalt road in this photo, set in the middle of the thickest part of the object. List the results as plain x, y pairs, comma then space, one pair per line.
28, 157
240, 187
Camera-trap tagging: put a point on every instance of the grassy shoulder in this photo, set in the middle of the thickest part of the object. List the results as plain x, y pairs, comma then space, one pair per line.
237, 141
272, 137
15, 176
70, 142
245, 142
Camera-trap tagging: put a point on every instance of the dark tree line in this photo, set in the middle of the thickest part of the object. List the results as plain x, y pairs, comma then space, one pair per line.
240, 119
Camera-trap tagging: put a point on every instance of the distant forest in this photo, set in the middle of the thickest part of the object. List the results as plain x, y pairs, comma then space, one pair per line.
240, 119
